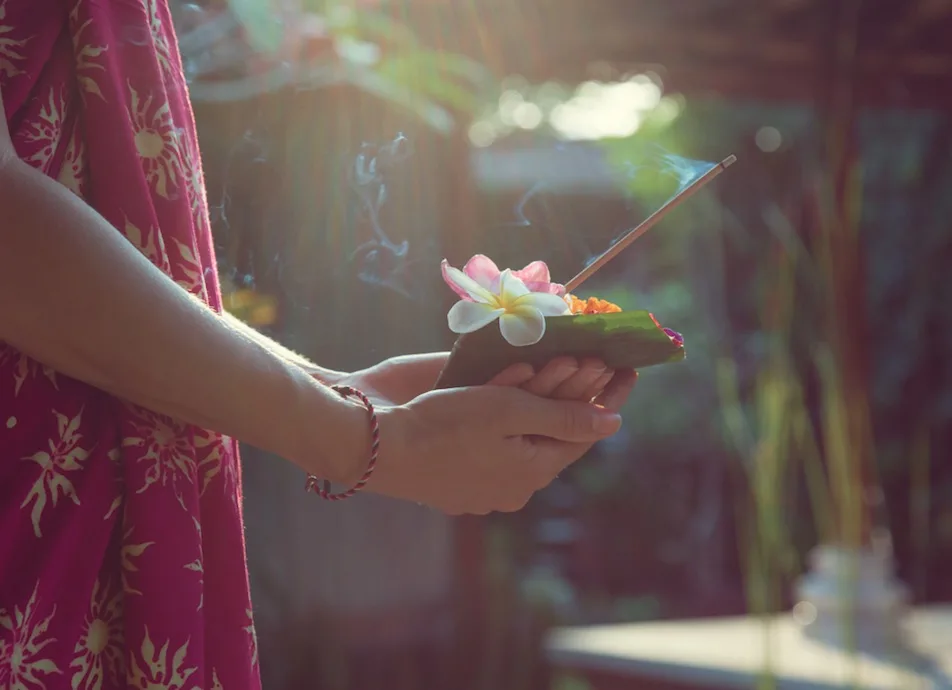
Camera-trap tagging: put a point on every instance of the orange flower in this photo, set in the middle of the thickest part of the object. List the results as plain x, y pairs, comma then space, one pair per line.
592, 305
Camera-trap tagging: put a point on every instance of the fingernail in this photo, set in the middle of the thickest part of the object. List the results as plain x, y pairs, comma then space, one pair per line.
607, 423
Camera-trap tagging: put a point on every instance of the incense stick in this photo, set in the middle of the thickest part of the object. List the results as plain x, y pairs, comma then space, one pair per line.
647, 224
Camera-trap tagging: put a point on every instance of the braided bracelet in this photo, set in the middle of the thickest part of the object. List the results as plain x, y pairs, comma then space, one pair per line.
323, 487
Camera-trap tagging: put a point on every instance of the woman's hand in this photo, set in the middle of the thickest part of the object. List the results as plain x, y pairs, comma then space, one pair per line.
485, 448
478, 449
398, 380
401, 379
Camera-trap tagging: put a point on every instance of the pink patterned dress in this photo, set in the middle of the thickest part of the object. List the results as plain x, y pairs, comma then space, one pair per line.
122, 558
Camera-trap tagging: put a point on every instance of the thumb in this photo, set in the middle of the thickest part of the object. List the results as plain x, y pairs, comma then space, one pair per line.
563, 420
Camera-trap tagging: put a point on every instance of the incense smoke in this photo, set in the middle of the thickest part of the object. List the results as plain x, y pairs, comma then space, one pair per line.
588, 200
566, 228
380, 260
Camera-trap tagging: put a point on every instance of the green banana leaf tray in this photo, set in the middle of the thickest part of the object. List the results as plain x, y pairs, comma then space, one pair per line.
629, 339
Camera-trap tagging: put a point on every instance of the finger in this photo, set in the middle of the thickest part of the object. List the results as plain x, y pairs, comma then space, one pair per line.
513, 376
565, 420
597, 388
551, 376
615, 395
574, 388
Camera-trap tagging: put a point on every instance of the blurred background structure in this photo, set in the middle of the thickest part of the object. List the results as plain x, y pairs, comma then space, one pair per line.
350, 145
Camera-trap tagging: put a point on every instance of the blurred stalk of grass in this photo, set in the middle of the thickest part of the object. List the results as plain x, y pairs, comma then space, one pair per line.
783, 439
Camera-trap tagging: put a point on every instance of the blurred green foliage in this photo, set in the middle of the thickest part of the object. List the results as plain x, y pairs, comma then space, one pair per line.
389, 50
763, 400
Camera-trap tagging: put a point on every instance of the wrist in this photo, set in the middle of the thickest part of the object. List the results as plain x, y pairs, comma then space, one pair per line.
356, 453
350, 445
328, 377
338, 439
395, 426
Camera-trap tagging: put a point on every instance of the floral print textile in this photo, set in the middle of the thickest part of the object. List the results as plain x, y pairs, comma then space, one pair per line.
122, 556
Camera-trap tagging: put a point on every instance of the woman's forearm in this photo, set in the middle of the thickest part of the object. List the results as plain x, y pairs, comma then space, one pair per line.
79, 298
327, 376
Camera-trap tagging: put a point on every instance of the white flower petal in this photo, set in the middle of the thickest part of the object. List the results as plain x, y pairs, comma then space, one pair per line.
526, 326
549, 305
511, 288
462, 281
466, 317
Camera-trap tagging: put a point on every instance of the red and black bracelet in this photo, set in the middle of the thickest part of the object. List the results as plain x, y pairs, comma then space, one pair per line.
323, 487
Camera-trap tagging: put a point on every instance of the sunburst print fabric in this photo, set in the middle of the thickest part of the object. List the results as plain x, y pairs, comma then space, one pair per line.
122, 556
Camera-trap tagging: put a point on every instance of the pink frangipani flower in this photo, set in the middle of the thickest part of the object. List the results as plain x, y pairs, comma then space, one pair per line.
484, 271
520, 312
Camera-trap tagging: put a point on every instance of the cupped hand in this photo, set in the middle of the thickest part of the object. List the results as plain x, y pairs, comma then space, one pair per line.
486, 448
567, 378
398, 380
